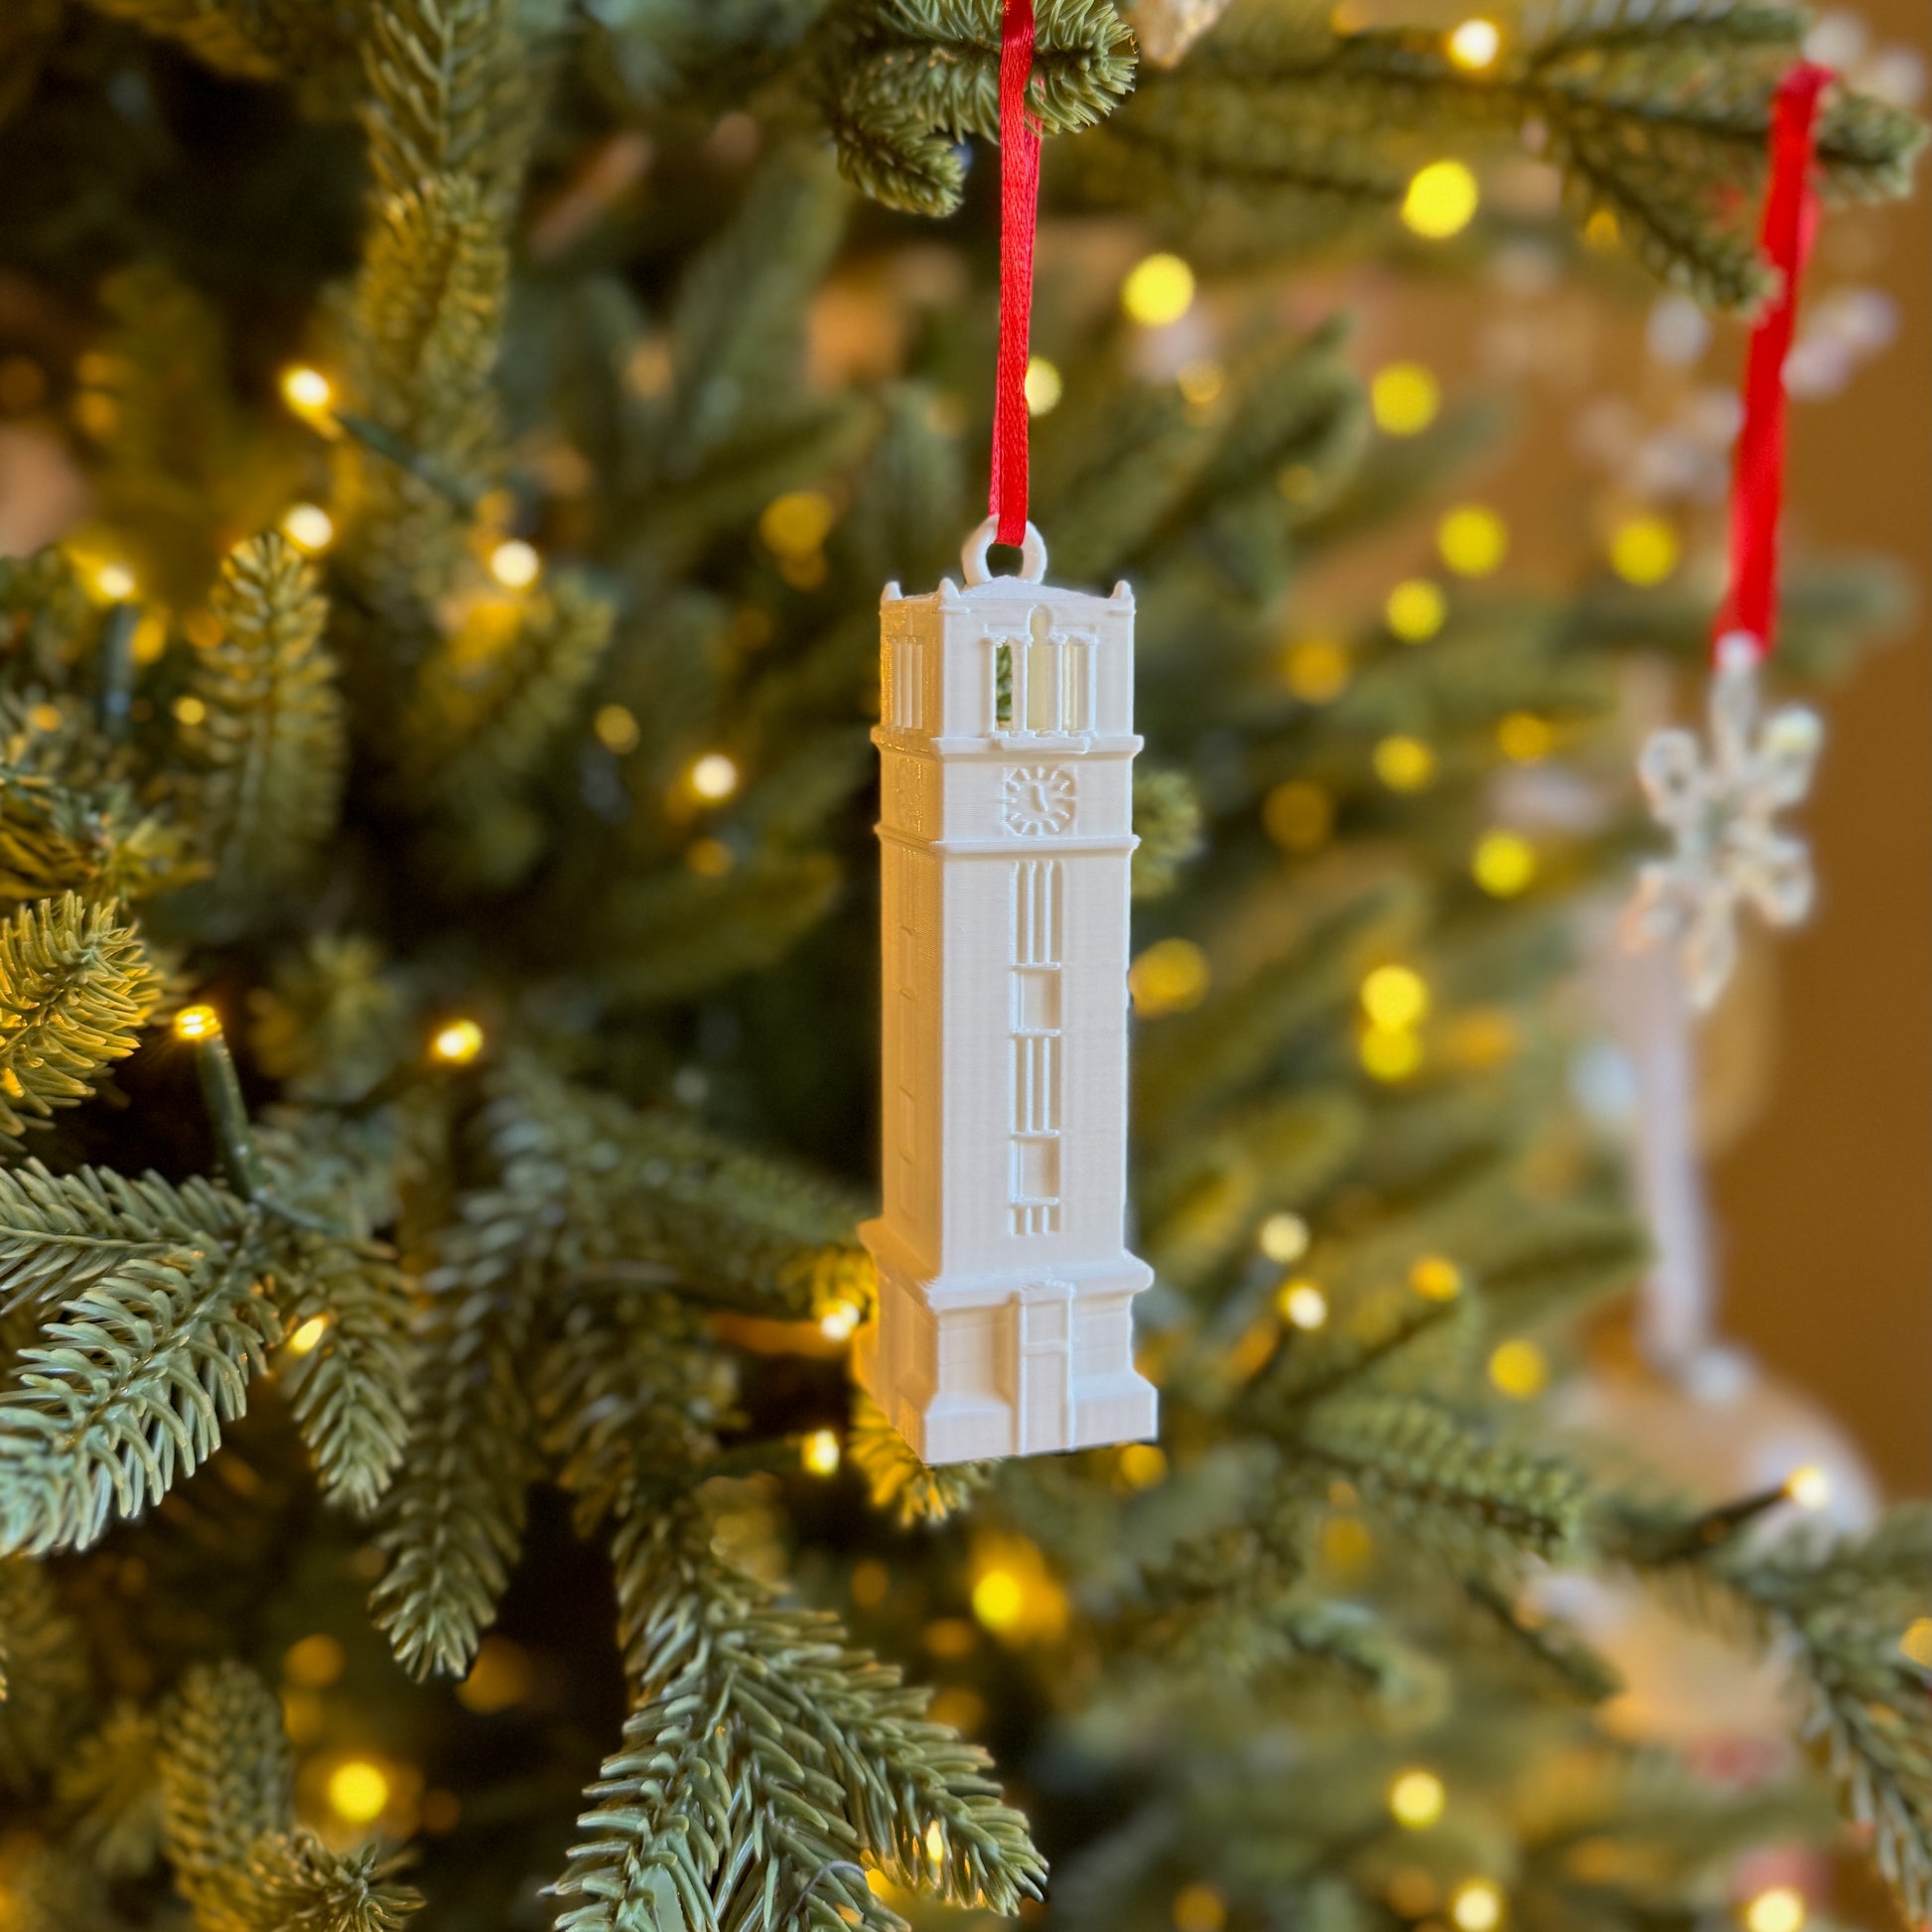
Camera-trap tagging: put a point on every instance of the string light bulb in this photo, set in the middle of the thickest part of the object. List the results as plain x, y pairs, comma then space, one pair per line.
358, 1791
458, 1042
1415, 610
1395, 995
1435, 1278
714, 776
1316, 670
1404, 399
1809, 1487
999, 1598
1440, 200
116, 582
1302, 1305
1402, 762
1779, 1908
309, 527
308, 1336
1475, 45
839, 1321
1643, 550
307, 390
1476, 1905
617, 729
819, 1453
515, 564
1389, 1053
1283, 1238
197, 1022
1417, 1799
1170, 976
1160, 290
1503, 864
1519, 1369
1043, 387
1474, 540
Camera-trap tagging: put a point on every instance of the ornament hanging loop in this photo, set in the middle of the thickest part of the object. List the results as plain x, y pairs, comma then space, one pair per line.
1033, 555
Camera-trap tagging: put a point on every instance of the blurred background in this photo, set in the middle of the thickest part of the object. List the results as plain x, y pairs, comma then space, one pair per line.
1824, 1213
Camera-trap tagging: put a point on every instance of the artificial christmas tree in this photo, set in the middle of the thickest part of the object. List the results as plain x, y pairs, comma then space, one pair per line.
438, 983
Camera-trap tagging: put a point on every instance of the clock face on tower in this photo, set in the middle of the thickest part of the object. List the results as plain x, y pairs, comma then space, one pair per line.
1039, 799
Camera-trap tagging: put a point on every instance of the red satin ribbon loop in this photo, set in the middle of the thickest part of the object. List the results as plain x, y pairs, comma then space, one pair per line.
1758, 490
1019, 215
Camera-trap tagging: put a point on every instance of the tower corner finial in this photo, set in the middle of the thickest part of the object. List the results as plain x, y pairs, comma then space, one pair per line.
890, 593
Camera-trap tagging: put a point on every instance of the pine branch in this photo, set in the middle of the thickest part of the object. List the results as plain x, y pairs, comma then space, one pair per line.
332, 1021
450, 95
352, 1391
765, 1759
901, 80
297, 1884
109, 1785
493, 701
147, 1356
227, 1784
425, 328
737, 338
1839, 1615
45, 1683
1440, 1478
187, 464
272, 744
62, 1234
75, 989
71, 818
451, 1524
1280, 130
227, 1781
631, 1392
898, 1480
655, 1187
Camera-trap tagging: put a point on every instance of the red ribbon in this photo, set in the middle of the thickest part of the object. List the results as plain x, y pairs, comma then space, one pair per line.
1019, 215
1758, 490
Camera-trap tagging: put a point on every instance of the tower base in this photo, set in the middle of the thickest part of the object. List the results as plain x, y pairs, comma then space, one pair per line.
1007, 1363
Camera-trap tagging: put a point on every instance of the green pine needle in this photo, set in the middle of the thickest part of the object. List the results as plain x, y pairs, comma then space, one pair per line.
158, 1326
765, 1759
272, 740
75, 989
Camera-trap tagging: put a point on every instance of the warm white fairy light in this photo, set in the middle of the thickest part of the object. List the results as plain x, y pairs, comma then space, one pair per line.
515, 564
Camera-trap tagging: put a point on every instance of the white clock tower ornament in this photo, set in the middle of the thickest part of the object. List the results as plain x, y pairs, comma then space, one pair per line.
1006, 745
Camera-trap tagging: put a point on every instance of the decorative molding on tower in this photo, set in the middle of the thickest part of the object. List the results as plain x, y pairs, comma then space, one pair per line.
1005, 1285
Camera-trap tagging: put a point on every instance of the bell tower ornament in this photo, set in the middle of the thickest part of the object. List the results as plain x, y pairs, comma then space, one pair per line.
1007, 746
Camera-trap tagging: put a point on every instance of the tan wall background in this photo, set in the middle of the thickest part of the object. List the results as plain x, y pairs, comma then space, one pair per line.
1823, 1206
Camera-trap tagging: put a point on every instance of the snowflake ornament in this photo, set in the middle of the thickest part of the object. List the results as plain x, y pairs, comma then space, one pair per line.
1719, 803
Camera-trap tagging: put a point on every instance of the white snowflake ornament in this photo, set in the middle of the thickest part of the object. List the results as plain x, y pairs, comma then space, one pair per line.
1720, 802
